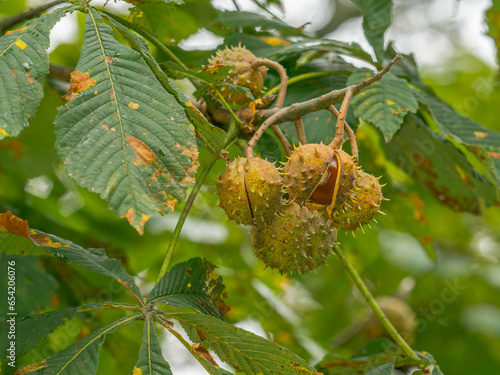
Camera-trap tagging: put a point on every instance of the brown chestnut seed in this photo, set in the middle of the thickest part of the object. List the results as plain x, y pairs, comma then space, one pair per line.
327, 189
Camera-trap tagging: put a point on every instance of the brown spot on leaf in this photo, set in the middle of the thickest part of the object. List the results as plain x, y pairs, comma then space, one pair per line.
419, 205
30, 368
495, 155
43, 239
78, 82
133, 105
130, 216
13, 73
203, 352
30, 78
143, 153
192, 153
190, 105
445, 196
105, 126
15, 31
212, 68
170, 204
109, 59
10, 223
481, 134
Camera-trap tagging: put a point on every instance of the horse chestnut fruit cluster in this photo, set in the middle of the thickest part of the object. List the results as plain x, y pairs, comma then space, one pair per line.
295, 214
242, 73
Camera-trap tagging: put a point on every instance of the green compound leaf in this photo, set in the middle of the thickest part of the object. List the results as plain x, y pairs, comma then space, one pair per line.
212, 137
245, 351
464, 130
24, 65
82, 357
151, 361
376, 20
440, 166
191, 284
384, 103
94, 259
120, 134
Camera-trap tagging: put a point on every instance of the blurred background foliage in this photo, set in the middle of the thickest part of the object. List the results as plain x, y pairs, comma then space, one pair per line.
454, 295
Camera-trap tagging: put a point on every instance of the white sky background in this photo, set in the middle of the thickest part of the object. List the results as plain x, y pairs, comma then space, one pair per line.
414, 30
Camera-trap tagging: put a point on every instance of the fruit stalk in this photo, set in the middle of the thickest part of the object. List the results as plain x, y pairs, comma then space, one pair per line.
339, 135
350, 133
299, 128
373, 304
286, 145
283, 78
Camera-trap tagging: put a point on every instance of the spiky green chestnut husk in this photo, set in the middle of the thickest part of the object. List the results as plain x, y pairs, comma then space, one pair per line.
295, 241
264, 185
399, 314
364, 203
250, 190
304, 170
240, 74
232, 194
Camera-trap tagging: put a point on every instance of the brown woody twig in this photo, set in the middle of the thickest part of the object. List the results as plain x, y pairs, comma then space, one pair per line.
297, 110
283, 77
31, 13
299, 128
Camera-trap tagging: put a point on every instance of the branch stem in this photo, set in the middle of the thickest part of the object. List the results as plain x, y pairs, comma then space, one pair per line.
30, 13
253, 141
297, 110
375, 307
